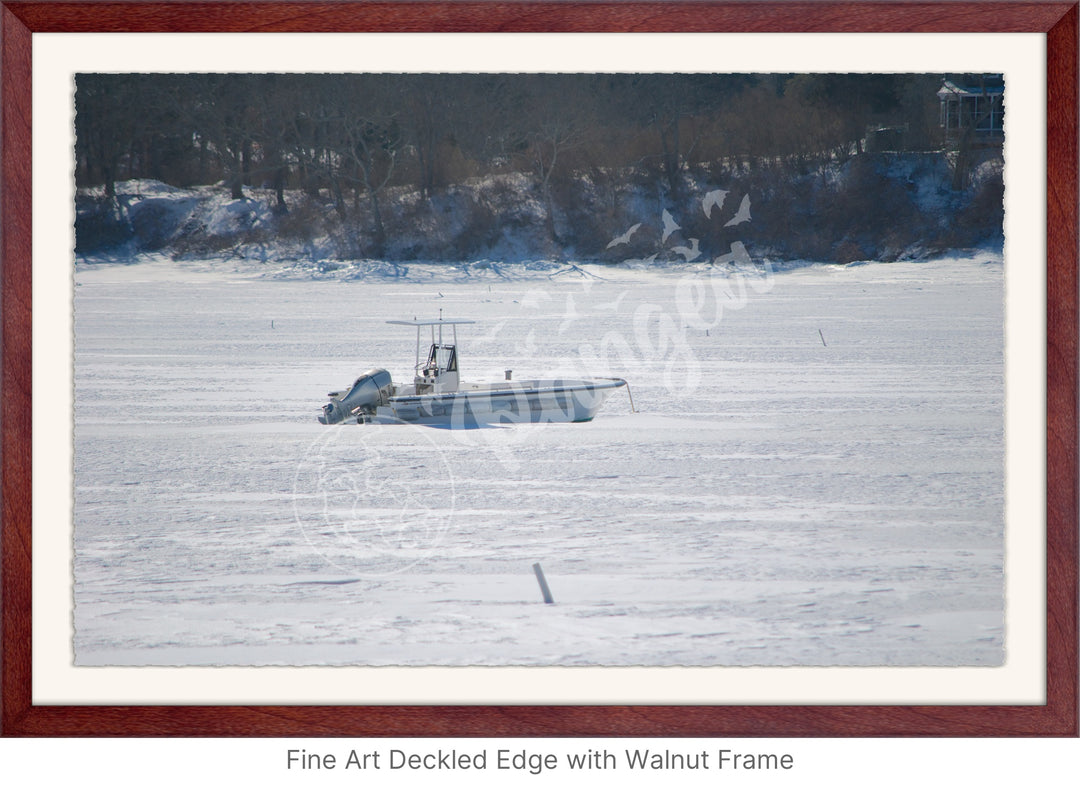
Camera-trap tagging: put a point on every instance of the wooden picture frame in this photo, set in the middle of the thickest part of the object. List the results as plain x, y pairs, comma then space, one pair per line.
1057, 717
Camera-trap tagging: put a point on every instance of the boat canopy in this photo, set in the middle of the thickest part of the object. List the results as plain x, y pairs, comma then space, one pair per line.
440, 371
429, 322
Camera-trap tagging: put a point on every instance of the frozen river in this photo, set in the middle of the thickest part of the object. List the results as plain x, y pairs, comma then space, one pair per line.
814, 474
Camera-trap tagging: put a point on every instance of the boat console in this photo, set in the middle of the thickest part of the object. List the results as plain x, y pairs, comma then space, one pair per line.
440, 373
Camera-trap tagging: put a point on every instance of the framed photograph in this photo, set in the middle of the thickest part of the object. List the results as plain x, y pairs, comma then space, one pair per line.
742, 397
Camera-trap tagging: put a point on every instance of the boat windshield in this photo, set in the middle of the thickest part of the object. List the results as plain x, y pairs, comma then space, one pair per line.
443, 357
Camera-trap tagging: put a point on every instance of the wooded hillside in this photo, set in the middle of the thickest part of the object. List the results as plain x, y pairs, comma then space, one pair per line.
377, 150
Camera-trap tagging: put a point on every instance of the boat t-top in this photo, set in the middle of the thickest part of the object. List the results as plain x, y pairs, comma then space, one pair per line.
437, 395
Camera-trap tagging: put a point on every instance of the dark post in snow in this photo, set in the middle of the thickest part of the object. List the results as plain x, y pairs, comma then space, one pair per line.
543, 585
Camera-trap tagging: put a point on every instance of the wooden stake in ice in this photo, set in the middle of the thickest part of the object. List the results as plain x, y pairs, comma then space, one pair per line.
822, 337
543, 585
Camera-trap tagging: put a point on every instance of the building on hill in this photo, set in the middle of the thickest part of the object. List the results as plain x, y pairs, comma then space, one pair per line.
973, 110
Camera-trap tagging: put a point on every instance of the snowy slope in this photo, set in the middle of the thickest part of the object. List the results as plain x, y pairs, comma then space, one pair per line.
883, 206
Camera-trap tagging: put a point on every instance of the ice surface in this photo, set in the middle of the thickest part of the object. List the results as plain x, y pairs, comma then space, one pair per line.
814, 475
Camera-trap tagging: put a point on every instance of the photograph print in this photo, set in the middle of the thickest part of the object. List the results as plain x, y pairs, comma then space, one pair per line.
539, 370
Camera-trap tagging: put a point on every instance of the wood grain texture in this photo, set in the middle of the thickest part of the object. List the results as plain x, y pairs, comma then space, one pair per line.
15, 283
569, 17
539, 721
1057, 718
1063, 198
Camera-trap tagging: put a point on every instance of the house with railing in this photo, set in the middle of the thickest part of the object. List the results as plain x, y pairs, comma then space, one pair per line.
973, 111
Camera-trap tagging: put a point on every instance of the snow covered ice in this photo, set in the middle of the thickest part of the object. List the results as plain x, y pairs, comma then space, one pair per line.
814, 474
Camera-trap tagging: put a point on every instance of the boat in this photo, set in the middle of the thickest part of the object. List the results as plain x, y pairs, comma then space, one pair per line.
437, 396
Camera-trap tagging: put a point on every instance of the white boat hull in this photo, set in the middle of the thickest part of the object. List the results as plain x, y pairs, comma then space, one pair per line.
526, 401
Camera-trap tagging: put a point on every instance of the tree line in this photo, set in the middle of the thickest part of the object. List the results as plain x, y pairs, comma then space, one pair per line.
349, 137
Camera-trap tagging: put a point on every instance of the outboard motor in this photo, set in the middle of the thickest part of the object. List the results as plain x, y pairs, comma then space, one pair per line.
372, 389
